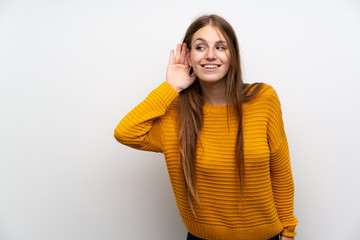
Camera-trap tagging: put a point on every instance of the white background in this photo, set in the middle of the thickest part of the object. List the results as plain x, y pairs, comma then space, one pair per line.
70, 70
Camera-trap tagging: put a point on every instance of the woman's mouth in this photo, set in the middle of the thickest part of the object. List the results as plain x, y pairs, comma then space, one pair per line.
210, 67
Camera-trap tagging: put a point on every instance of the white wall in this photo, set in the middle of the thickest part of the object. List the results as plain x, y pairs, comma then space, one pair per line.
70, 70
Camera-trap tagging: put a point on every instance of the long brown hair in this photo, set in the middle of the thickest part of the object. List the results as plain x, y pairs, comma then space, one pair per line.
190, 105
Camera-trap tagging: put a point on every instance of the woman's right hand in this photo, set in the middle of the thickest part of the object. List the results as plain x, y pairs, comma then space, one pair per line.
177, 73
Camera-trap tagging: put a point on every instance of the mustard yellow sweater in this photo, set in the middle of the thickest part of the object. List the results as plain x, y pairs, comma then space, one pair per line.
266, 208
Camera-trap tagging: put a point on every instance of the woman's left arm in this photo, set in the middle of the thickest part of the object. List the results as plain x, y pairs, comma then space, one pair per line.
280, 167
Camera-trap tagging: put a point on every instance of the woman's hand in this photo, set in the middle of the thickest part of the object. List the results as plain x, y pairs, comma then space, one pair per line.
177, 74
286, 238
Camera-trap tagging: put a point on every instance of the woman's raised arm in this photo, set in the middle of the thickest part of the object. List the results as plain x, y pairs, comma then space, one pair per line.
141, 127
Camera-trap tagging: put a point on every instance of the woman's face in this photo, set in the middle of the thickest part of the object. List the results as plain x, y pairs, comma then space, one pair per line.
209, 55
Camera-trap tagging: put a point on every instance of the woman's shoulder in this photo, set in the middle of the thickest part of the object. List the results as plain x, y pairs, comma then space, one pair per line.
266, 95
265, 89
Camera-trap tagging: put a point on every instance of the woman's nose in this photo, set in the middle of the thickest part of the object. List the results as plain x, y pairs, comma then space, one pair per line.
210, 54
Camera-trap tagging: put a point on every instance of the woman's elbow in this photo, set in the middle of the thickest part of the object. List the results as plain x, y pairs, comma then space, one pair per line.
120, 135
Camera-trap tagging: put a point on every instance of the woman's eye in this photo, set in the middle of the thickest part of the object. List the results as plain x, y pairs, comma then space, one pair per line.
200, 48
221, 47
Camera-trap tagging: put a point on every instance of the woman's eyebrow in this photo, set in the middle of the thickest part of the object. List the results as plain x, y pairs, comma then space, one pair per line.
203, 40
200, 39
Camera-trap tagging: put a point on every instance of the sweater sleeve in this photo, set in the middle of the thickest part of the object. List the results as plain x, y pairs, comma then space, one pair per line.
280, 167
141, 127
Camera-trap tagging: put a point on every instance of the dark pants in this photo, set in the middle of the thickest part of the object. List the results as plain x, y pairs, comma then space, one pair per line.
192, 237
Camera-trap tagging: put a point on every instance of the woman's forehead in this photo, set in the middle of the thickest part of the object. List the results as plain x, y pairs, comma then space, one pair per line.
209, 34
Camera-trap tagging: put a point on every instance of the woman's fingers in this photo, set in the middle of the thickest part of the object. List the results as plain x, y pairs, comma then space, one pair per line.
171, 59
177, 73
178, 53
183, 53
187, 58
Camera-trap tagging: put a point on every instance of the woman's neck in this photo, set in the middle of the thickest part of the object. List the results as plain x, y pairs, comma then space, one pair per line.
214, 92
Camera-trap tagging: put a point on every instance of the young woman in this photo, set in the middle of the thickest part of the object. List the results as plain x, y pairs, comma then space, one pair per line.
223, 140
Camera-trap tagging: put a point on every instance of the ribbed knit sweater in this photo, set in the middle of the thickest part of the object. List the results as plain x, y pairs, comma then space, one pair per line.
266, 207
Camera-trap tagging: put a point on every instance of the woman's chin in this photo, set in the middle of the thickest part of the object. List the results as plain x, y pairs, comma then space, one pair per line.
210, 80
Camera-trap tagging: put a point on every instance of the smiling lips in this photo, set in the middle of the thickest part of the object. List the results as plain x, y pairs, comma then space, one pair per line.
210, 67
